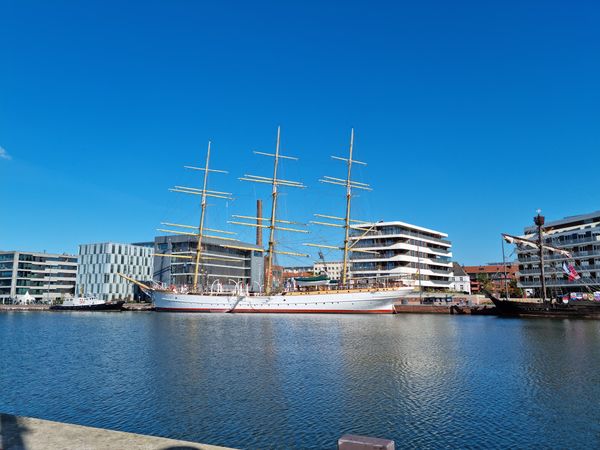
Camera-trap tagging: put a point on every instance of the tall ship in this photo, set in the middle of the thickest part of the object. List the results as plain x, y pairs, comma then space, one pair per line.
343, 296
560, 306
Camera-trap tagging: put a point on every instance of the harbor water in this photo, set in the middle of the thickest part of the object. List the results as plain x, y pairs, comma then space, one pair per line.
302, 381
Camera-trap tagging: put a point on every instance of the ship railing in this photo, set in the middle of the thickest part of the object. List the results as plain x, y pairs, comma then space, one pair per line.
551, 282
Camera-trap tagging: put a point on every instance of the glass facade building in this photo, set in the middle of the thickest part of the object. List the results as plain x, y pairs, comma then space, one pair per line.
225, 262
100, 266
44, 276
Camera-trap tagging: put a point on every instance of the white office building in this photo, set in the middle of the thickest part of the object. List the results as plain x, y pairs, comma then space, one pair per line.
400, 251
580, 235
332, 268
99, 266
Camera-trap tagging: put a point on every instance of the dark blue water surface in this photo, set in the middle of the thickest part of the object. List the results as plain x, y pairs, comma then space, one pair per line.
302, 381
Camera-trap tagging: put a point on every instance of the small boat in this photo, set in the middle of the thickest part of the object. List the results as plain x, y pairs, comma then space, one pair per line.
88, 304
318, 280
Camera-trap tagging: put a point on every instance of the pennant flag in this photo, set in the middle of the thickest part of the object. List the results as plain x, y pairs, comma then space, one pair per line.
571, 272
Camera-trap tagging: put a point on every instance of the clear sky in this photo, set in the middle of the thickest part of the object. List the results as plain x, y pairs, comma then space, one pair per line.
470, 114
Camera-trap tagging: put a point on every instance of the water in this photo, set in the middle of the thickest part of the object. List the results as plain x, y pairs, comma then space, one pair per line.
302, 381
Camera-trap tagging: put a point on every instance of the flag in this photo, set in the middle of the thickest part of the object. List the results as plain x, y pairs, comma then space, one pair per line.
571, 272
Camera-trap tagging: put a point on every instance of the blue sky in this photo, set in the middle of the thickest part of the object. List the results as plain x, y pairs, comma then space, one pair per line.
460, 108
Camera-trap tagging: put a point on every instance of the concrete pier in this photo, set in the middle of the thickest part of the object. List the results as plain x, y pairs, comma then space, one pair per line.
25, 433
24, 308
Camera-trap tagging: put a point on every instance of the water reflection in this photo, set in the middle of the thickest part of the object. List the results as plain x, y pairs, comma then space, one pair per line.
269, 381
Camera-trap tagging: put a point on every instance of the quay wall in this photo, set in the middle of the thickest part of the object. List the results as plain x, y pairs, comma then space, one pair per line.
18, 433
24, 308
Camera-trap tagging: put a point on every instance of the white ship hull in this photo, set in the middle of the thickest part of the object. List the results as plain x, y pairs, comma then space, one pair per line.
362, 301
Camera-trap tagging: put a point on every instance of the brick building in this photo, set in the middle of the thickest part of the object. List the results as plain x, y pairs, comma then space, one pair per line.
494, 275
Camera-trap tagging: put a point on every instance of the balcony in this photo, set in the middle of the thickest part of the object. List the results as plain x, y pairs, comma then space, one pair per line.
565, 243
377, 234
550, 270
576, 255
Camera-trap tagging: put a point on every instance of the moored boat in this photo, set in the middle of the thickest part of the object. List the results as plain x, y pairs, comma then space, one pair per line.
310, 294
585, 309
88, 304
318, 280
362, 301
566, 306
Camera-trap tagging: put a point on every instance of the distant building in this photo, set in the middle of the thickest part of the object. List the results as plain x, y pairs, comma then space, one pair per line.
100, 265
47, 277
495, 275
332, 268
226, 262
580, 235
398, 250
461, 282
297, 271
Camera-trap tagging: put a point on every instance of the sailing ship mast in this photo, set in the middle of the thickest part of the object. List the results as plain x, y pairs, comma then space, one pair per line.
348, 204
200, 229
540, 246
202, 214
349, 184
275, 182
273, 213
539, 221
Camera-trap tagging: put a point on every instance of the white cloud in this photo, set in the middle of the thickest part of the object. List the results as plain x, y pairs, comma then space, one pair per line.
4, 154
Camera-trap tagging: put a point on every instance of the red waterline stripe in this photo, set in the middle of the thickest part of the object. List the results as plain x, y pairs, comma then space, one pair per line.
290, 311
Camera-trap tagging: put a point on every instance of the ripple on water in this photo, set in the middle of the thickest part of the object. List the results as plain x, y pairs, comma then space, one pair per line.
273, 381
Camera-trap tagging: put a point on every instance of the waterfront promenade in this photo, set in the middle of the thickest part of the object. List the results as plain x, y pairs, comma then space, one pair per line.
26, 433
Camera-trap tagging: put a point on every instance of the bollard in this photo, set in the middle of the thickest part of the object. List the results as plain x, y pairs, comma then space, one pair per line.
354, 442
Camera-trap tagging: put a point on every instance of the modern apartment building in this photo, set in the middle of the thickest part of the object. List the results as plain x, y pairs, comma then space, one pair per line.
100, 265
226, 262
580, 235
46, 277
397, 250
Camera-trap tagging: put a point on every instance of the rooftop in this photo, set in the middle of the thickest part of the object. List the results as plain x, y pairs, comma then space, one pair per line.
458, 270
400, 224
568, 221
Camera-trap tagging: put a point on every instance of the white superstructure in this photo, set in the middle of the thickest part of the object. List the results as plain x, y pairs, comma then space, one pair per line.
100, 264
419, 256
